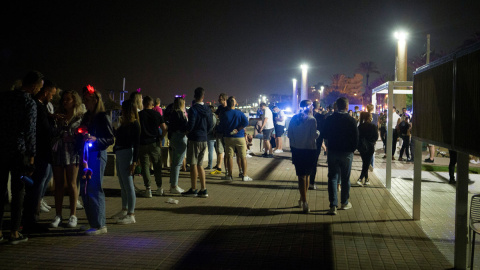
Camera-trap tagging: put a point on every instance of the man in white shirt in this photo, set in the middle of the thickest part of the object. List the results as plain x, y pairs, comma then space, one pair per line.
395, 121
279, 129
267, 129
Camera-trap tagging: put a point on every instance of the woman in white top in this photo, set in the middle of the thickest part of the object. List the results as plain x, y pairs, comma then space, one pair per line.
303, 133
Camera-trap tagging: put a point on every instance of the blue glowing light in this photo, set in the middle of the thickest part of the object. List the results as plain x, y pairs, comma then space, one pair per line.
89, 144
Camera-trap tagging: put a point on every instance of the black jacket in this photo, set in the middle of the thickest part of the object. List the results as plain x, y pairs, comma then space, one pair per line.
369, 131
150, 120
177, 122
100, 127
341, 132
200, 122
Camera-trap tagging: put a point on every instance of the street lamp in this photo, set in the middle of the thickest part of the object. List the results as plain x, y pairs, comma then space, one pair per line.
401, 61
294, 96
304, 94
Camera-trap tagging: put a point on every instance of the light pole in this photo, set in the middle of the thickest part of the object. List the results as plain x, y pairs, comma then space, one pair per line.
294, 96
304, 94
401, 66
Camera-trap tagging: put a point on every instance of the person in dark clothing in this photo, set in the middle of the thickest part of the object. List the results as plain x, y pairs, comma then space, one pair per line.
404, 130
320, 118
18, 144
367, 137
100, 136
43, 160
199, 124
177, 129
126, 150
342, 138
220, 142
150, 149
451, 166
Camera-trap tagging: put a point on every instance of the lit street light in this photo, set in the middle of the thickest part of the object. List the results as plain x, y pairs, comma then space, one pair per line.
294, 96
304, 94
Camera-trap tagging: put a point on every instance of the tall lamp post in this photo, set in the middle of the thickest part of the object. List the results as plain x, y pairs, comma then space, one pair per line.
294, 96
304, 93
401, 66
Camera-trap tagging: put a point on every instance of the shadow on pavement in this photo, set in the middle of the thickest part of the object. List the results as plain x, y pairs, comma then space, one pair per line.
263, 247
216, 210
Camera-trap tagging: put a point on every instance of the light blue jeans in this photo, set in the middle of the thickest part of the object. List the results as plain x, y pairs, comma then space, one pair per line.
339, 165
211, 149
92, 191
124, 160
178, 143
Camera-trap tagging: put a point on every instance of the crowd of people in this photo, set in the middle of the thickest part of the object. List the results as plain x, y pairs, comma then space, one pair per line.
70, 143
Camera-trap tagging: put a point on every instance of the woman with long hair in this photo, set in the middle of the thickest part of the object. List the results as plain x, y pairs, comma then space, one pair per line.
126, 151
95, 143
303, 133
177, 129
66, 155
367, 137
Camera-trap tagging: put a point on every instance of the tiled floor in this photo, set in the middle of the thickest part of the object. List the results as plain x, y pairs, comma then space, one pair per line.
248, 225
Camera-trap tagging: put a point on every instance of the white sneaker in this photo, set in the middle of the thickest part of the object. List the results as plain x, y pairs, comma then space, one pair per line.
93, 231
158, 193
44, 203
300, 204
120, 214
247, 178
332, 211
79, 205
249, 156
176, 190
44, 209
249, 151
346, 206
128, 219
359, 182
72, 222
306, 209
278, 151
148, 193
56, 221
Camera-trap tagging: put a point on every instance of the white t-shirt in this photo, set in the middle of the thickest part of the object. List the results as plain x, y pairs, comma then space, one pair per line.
395, 119
282, 115
269, 116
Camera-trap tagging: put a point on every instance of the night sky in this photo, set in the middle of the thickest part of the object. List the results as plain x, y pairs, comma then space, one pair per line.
243, 48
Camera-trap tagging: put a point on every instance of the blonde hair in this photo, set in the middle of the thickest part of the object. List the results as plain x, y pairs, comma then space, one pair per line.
77, 110
129, 113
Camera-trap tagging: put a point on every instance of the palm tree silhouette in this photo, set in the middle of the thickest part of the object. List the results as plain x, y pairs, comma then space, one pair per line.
367, 68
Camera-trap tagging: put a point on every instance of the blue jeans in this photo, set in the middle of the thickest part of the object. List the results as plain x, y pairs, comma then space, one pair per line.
34, 193
339, 165
211, 149
124, 160
178, 143
92, 191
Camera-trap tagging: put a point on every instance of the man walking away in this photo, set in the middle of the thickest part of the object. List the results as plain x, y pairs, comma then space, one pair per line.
342, 137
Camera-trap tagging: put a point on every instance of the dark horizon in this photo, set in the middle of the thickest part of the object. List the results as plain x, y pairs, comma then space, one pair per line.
242, 48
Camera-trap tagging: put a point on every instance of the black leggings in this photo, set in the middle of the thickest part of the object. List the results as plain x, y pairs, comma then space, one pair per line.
405, 146
366, 161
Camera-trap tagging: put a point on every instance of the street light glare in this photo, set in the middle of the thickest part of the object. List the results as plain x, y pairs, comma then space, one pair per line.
401, 35
304, 66
294, 80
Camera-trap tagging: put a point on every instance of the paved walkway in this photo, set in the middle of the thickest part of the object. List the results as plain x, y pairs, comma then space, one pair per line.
257, 225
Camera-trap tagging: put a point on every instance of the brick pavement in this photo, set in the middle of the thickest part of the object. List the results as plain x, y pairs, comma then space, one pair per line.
242, 225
